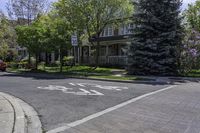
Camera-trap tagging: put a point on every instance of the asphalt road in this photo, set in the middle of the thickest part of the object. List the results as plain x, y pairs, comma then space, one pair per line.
60, 101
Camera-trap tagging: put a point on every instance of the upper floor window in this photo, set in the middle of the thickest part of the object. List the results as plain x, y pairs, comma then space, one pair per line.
125, 29
108, 31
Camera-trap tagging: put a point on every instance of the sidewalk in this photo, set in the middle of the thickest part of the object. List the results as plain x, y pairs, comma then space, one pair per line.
175, 110
6, 116
17, 116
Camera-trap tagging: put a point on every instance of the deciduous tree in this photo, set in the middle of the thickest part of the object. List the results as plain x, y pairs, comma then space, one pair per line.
191, 53
92, 16
30, 37
7, 35
60, 33
25, 11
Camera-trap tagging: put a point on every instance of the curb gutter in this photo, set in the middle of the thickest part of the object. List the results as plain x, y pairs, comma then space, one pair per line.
144, 80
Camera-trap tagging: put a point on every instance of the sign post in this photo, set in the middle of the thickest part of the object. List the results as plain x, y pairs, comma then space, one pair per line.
74, 42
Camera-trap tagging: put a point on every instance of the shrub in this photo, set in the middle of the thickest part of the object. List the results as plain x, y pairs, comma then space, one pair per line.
12, 64
68, 60
22, 64
43, 64
57, 63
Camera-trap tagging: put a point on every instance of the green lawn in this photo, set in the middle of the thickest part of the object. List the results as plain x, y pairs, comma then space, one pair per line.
77, 69
115, 77
82, 71
193, 73
90, 72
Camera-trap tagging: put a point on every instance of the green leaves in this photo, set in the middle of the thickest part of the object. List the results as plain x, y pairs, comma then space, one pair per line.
45, 34
3, 50
157, 38
6, 36
89, 18
94, 15
193, 15
29, 37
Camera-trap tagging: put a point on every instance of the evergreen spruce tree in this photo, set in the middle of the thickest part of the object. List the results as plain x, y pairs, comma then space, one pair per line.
157, 37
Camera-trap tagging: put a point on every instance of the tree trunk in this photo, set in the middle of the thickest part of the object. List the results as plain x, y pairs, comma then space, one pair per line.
61, 60
179, 51
46, 58
97, 53
29, 59
81, 60
36, 61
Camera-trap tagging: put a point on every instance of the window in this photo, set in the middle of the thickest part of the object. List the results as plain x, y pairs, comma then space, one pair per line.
108, 31
125, 29
121, 30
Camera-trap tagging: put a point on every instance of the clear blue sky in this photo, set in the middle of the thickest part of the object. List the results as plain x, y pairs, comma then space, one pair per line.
3, 3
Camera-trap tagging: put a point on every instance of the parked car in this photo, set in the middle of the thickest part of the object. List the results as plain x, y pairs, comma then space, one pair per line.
2, 66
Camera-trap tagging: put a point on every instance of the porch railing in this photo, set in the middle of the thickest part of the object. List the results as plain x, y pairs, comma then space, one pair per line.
107, 60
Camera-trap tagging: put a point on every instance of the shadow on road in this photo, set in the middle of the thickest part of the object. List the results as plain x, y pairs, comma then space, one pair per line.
152, 81
39, 76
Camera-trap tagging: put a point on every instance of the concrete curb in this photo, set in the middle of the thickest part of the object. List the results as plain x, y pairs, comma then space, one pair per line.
19, 117
26, 119
149, 79
41, 75
124, 81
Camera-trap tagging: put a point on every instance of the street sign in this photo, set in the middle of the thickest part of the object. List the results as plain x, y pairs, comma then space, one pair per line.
74, 40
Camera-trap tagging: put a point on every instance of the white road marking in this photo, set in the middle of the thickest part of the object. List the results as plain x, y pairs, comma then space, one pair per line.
116, 88
85, 91
72, 84
86, 119
97, 93
55, 88
81, 85
81, 92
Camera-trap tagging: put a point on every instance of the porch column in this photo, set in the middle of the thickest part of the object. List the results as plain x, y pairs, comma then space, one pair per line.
52, 57
59, 55
107, 50
79, 49
89, 51
107, 54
